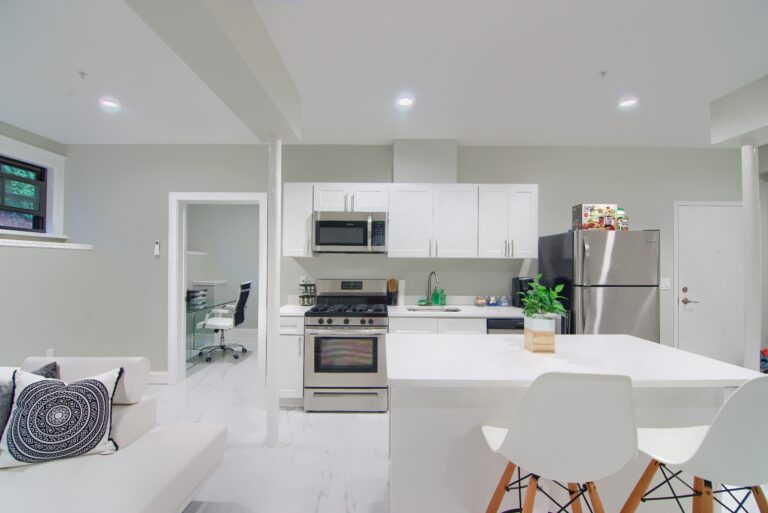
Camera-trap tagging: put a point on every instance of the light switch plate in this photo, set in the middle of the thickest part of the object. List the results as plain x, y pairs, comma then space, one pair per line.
665, 283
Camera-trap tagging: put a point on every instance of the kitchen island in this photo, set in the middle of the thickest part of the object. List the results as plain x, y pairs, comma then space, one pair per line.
444, 387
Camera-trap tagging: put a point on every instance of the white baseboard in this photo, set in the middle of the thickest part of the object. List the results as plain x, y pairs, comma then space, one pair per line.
158, 378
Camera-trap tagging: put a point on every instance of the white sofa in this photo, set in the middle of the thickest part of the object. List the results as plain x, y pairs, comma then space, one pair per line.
156, 470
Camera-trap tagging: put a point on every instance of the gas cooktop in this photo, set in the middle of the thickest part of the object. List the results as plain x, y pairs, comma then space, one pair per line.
347, 310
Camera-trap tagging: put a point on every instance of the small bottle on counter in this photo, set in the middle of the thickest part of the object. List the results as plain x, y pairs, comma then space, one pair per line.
442, 297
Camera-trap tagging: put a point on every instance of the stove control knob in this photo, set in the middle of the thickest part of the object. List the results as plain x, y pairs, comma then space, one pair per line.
330, 321
320, 321
346, 321
370, 321
362, 321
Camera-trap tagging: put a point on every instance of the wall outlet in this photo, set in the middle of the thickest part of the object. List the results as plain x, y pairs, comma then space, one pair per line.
665, 283
49, 352
157, 248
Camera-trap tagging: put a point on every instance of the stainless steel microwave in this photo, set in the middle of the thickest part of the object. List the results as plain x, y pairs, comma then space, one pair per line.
349, 232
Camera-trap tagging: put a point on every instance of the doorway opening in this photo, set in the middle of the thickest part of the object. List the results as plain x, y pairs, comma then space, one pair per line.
216, 242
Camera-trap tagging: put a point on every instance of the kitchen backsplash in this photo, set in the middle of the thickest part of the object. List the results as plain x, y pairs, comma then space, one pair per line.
463, 277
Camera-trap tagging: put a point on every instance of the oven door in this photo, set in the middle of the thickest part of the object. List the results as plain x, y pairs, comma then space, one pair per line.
345, 357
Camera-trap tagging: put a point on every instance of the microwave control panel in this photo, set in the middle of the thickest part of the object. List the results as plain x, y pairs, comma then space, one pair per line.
378, 237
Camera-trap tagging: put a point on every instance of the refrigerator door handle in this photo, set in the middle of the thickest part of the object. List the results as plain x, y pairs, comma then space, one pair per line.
584, 258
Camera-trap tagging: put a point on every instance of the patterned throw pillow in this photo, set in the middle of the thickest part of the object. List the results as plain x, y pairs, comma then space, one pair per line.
50, 370
52, 420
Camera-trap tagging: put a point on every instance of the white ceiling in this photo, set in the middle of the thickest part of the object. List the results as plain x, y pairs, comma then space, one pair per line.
43, 43
517, 71
482, 71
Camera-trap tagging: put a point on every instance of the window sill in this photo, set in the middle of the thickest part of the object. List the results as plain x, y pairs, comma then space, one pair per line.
17, 243
18, 234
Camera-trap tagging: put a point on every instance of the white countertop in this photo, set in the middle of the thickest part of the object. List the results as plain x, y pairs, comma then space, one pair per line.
501, 361
293, 310
484, 312
467, 311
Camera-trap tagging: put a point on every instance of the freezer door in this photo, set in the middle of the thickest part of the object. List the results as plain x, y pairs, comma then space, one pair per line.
617, 310
616, 258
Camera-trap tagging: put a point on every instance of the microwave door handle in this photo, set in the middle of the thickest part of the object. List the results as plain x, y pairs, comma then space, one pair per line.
370, 233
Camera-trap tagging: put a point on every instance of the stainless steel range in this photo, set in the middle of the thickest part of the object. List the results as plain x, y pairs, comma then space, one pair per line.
344, 336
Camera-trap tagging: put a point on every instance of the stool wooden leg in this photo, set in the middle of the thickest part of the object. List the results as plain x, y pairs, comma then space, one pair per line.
530, 494
576, 506
498, 494
762, 503
641, 487
707, 499
698, 486
594, 498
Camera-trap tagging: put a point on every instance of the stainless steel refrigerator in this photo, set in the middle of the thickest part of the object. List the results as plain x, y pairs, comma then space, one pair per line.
611, 280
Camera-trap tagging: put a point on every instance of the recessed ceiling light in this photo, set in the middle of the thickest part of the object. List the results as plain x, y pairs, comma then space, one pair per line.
628, 102
109, 104
405, 101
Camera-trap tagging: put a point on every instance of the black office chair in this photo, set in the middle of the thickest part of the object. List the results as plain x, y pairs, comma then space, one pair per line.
222, 319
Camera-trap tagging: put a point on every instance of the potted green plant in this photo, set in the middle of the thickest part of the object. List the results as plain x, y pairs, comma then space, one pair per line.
541, 307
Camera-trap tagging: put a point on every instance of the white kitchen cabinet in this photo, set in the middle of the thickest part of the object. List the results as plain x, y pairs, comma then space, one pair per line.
462, 326
351, 197
422, 325
411, 212
429, 325
455, 221
524, 221
508, 221
433, 220
290, 359
297, 219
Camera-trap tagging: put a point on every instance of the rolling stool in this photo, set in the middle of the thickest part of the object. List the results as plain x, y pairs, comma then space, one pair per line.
571, 428
732, 452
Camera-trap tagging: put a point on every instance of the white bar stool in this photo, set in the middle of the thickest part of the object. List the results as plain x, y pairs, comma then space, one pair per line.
571, 428
733, 452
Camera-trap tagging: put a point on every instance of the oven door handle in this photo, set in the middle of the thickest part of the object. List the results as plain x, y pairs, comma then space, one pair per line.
344, 331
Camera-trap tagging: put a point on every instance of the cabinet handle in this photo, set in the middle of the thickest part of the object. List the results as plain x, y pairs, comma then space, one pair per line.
301, 347
436, 252
506, 247
430, 247
352, 203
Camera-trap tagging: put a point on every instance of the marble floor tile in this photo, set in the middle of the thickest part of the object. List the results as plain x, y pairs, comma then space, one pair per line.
324, 463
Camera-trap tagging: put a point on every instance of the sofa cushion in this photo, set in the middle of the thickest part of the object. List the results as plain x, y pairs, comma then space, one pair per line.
74, 368
130, 421
158, 473
49, 370
52, 420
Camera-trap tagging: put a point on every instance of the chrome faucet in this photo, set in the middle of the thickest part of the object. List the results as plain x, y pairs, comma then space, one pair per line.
429, 286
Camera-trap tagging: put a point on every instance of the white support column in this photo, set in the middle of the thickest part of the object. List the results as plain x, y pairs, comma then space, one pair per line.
274, 214
750, 197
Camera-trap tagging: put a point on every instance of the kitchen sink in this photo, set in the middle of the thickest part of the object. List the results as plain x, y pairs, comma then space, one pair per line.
433, 309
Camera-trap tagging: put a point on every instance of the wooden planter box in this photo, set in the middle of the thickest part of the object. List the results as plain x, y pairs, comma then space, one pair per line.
539, 334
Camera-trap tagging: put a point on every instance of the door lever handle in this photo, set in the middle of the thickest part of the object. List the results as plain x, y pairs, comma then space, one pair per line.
686, 301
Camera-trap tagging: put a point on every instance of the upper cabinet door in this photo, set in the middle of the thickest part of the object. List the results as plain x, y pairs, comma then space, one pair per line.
455, 221
524, 220
297, 219
372, 197
410, 221
493, 222
332, 197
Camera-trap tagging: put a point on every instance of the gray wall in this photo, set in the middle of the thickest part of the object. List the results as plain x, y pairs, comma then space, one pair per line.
763, 159
230, 236
644, 181
112, 300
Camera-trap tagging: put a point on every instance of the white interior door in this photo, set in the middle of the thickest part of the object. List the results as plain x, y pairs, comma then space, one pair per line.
709, 292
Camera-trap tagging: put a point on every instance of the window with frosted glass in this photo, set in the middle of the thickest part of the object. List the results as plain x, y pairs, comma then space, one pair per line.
22, 195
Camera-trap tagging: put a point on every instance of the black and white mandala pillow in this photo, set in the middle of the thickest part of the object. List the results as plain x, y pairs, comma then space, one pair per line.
52, 420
